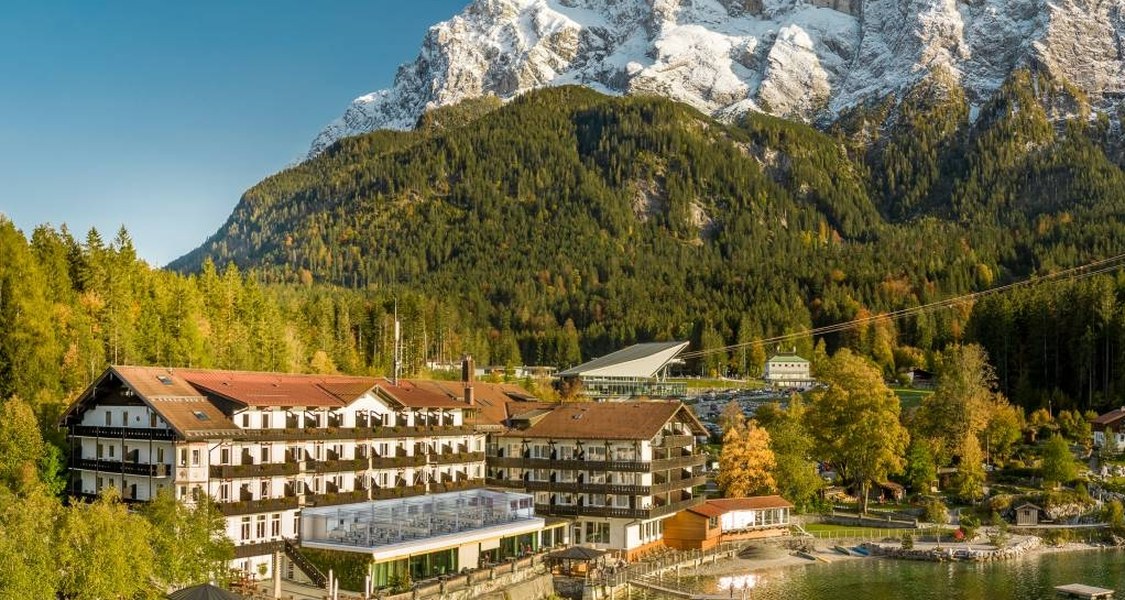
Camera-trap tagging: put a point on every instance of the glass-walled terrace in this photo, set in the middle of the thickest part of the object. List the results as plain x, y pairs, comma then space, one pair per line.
371, 525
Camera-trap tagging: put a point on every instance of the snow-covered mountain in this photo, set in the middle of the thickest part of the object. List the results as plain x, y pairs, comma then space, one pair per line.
801, 59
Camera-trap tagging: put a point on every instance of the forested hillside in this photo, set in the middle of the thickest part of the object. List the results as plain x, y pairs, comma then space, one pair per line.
567, 213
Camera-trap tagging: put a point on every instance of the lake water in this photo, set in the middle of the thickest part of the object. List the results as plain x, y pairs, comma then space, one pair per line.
1026, 578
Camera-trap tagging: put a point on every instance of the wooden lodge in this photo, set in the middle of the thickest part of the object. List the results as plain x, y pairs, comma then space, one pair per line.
727, 520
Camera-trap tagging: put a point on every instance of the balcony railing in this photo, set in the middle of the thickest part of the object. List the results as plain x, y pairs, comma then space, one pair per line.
127, 468
397, 462
676, 441
570, 510
679, 484
679, 462
258, 549
129, 433
401, 491
574, 487
330, 466
256, 471
336, 498
352, 433
257, 506
569, 465
462, 457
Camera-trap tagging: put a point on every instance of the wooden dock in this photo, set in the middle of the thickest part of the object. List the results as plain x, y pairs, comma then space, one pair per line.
1078, 590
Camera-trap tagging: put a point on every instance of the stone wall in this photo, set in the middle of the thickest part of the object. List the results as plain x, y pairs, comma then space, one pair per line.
953, 552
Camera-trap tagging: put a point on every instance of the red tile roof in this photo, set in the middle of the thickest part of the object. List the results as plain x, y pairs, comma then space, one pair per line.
419, 394
1109, 419
279, 389
170, 395
607, 420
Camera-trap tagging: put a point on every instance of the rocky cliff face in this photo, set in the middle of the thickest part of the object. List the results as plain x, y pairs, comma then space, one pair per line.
802, 59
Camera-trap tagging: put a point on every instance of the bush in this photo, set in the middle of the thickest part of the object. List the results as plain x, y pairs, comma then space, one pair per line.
936, 512
1056, 537
999, 536
907, 541
969, 526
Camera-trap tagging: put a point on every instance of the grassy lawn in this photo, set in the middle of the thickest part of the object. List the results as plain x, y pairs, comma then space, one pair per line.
911, 398
833, 531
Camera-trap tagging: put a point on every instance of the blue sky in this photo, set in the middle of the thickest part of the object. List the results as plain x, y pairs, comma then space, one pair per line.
158, 115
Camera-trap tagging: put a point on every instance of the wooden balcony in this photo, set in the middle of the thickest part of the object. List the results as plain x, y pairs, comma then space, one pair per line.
336, 466
679, 462
676, 441
231, 509
569, 465
124, 433
679, 484
125, 468
397, 462
253, 471
463, 457
570, 510
336, 498
351, 433
573, 487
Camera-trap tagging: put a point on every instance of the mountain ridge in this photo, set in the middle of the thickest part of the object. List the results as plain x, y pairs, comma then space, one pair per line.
807, 61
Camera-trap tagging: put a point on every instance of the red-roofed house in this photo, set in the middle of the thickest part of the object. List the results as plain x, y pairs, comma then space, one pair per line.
727, 520
266, 445
1109, 429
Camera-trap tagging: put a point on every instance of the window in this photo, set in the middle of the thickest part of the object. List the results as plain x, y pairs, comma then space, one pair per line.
265, 453
101, 450
265, 420
224, 492
224, 456
101, 483
275, 525
713, 522
597, 533
264, 488
183, 492
245, 528
112, 451
124, 418
108, 418
296, 524
183, 457
260, 526
245, 420
160, 455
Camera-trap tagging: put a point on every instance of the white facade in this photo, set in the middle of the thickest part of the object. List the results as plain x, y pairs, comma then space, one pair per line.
788, 371
276, 462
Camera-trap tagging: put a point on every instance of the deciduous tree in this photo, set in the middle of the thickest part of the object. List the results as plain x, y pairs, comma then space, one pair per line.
855, 422
746, 464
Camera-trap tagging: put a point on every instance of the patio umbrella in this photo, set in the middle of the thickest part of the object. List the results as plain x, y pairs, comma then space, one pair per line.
203, 592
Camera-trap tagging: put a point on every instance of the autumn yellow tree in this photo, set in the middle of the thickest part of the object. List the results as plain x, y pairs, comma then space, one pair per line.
746, 464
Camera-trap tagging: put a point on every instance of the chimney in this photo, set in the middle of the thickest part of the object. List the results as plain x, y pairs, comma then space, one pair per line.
468, 374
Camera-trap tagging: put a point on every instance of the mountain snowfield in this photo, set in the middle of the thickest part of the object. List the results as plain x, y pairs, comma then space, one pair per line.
799, 59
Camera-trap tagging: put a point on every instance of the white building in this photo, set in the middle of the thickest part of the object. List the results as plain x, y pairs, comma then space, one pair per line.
788, 370
638, 370
266, 446
618, 470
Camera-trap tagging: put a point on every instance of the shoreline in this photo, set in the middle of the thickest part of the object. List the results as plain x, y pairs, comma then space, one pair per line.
825, 555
